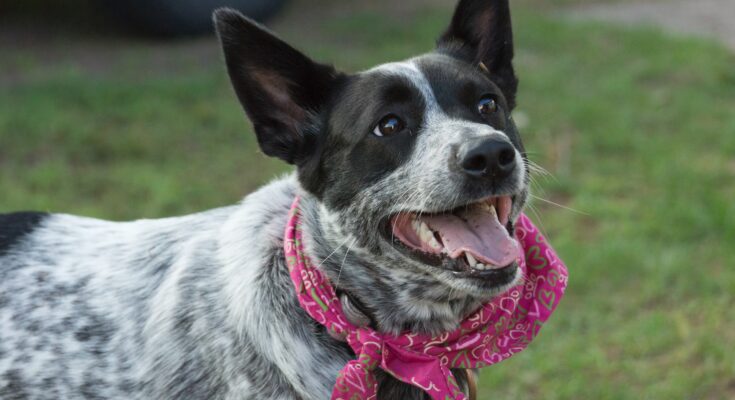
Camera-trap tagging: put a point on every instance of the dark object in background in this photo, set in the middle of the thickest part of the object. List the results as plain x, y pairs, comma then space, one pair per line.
185, 17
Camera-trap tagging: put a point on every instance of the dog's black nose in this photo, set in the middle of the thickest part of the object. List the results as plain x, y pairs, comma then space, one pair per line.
487, 158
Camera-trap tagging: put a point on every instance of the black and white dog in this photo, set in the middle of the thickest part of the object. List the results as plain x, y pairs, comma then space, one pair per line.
411, 175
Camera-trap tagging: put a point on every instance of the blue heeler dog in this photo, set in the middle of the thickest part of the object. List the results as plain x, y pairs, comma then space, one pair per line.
396, 166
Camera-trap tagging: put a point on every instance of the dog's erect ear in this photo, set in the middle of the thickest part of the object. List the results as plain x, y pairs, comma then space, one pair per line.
280, 89
481, 32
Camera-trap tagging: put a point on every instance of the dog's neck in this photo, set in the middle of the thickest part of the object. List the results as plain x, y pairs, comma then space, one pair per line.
390, 297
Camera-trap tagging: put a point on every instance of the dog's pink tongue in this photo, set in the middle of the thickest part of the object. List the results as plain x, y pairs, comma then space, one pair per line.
477, 232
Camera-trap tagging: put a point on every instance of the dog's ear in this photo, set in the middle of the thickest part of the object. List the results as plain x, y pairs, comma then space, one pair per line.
481, 33
280, 89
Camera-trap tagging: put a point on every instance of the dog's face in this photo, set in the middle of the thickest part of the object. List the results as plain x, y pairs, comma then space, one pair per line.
417, 164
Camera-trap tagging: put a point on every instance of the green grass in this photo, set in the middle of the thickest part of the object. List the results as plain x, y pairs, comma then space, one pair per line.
126, 150
638, 130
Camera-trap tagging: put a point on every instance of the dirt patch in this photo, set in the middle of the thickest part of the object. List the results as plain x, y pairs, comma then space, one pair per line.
708, 18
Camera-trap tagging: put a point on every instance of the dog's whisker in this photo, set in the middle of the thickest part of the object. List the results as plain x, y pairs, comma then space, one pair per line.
535, 212
332, 253
537, 169
560, 205
339, 274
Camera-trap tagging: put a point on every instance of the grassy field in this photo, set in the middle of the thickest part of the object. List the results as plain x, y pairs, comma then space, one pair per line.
637, 129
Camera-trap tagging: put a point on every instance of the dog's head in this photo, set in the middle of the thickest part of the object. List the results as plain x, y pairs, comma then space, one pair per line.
417, 164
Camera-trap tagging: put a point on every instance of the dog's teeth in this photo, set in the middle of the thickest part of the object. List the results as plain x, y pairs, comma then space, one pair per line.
471, 260
425, 234
481, 267
489, 206
416, 225
434, 243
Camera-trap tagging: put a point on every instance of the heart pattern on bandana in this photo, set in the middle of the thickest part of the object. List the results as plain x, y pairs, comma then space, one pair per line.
496, 331
535, 258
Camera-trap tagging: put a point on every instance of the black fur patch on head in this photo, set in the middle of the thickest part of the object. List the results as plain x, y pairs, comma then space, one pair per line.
459, 86
351, 156
15, 226
481, 32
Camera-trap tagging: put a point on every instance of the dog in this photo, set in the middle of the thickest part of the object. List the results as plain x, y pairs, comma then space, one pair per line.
397, 169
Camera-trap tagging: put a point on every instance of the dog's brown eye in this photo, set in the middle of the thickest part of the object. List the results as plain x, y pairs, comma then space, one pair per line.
389, 125
487, 106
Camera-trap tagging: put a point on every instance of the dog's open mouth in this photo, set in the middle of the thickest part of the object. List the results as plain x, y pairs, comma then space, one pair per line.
473, 240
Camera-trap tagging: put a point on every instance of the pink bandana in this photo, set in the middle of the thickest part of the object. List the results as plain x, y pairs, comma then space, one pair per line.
496, 331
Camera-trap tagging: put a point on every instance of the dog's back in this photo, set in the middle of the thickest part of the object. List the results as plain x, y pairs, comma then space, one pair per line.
167, 308
97, 309
75, 295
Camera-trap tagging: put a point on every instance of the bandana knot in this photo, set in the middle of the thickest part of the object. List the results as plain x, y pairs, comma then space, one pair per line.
496, 331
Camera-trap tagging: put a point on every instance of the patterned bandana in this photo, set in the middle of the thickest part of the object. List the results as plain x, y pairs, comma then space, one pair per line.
496, 331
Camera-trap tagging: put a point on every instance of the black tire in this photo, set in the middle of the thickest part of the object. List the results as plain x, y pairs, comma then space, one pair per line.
185, 17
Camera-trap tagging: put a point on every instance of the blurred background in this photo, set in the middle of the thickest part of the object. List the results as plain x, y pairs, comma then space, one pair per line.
124, 111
